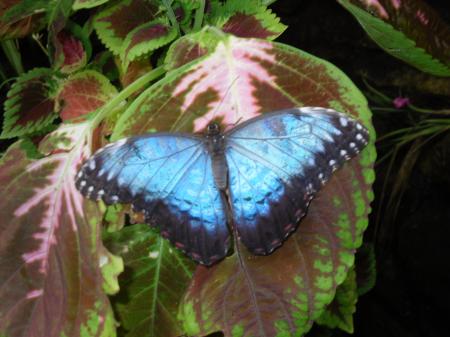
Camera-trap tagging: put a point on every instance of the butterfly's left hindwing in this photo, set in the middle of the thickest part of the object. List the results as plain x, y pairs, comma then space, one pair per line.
277, 162
169, 178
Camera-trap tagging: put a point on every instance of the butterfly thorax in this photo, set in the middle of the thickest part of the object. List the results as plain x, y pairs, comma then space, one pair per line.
216, 148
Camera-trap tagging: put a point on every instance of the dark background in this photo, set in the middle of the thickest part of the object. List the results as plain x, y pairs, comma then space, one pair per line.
412, 292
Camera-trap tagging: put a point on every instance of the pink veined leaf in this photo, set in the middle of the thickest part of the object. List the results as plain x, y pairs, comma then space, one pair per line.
83, 93
285, 292
52, 264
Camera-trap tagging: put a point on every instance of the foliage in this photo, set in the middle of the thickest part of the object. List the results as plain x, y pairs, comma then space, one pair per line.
174, 65
403, 29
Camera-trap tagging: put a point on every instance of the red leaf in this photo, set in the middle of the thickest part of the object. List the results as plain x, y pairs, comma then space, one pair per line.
83, 93
73, 54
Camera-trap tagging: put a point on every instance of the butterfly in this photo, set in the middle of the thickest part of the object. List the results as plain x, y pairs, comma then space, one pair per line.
252, 183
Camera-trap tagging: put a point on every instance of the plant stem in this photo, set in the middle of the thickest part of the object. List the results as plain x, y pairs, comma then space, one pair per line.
10, 49
171, 15
200, 12
125, 93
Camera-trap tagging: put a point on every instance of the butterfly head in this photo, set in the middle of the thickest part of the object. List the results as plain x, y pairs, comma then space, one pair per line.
213, 129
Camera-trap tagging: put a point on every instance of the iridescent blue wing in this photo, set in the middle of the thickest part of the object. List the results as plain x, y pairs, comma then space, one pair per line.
169, 178
277, 162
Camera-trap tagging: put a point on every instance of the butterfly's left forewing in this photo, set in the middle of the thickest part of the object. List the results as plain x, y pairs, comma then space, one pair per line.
277, 163
169, 178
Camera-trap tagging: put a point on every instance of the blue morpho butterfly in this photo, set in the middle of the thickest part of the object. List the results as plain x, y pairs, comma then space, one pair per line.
255, 180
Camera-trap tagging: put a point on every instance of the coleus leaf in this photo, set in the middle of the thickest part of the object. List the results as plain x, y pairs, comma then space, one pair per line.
155, 278
15, 26
191, 46
83, 93
146, 38
296, 283
80, 4
15, 10
70, 53
339, 313
114, 23
366, 270
57, 16
30, 104
251, 20
53, 267
409, 30
134, 70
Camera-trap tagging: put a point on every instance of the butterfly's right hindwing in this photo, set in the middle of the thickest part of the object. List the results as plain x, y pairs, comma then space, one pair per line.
169, 178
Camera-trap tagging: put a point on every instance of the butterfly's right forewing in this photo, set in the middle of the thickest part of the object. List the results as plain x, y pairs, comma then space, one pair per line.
169, 178
278, 162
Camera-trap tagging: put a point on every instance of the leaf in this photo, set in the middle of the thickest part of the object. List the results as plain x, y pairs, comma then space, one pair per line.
252, 20
408, 30
339, 313
156, 277
191, 47
83, 93
114, 23
30, 105
239, 80
80, 4
16, 10
135, 70
366, 270
146, 38
73, 57
50, 244
57, 16
17, 27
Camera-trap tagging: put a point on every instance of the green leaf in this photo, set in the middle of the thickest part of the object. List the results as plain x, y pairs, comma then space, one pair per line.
410, 31
30, 105
339, 313
365, 266
155, 278
252, 20
80, 4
